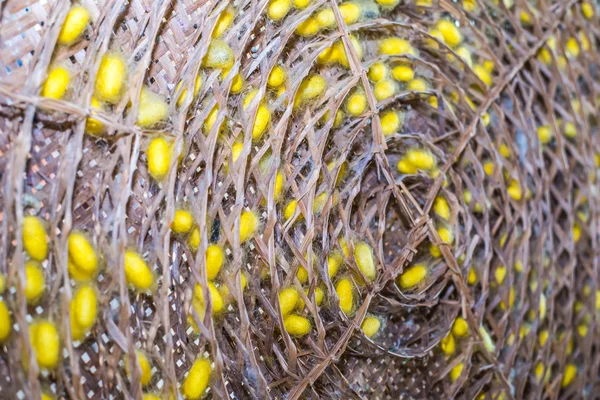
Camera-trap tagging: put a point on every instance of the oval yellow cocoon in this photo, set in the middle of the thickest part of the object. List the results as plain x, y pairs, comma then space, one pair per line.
214, 261
86, 307
288, 298
55, 85
35, 240
137, 272
215, 296
182, 221
81, 252
219, 55
197, 380
460, 328
92, 125
370, 326
110, 79
569, 375
152, 109
5, 322
363, 255
276, 77
261, 121
78, 274
249, 224
224, 22
35, 282
345, 292
194, 239
45, 343
278, 9
412, 276
159, 158
296, 325
74, 25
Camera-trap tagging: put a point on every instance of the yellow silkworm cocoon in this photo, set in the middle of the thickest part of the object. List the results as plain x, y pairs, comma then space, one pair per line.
460, 327
334, 262
249, 224
197, 380
224, 22
456, 371
225, 291
403, 73
339, 54
465, 54
325, 18
5, 322
417, 85
35, 284
391, 122
412, 276
237, 84
448, 345
488, 168
421, 159
35, 240
569, 130
356, 103
363, 255
488, 343
290, 209
311, 88
288, 298
211, 120
350, 12
569, 375
395, 46
587, 10
441, 207
84, 309
219, 55
82, 254
137, 272
74, 25
370, 326
384, 89
319, 296
159, 158
92, 125
79, 274
261, 121
483, 74
446, 236
309, 27
45, 343
55, 85
278, 9
345, 292
152, 108
182, 221
302, 274
319, 202
144, 366
544, 337
500, 274
110, 79
302, 4
378, 71
472, 277
197, 87
545, 134
572, 48
450, 33
296, 325
199, 304
514, 190
214, 260
276, 77
194, 238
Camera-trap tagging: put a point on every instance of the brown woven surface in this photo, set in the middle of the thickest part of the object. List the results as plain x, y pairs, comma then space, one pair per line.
50, 168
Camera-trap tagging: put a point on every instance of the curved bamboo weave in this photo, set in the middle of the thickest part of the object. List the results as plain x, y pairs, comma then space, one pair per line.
521, 267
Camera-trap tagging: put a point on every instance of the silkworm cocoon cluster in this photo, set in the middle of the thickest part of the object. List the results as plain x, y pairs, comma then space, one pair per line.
34, 237
345, 291
110, 81
74, 25
371, 326
278, 9
395, 46
197, 87
55, 85
249, 224
288, 298
214, 260
403, 73
219, 55
35, 284
224, 22
378, 71
296, 325
84, 310
82, 254
456, 371
5, 322
391, 122
448, 345
460, 328
356, 104
197, 379
310, 89
152, 108
159, 155
363, 255
137, 272
182, 221
144, 366
45, 343
412, 276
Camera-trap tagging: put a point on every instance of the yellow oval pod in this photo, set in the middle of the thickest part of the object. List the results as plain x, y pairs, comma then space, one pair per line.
214, 261
278, 9
403, 73
319, 297
92, 125
483, 74
441, 207
334, 261
197, 379
74, 25
390, 122
81, 252
110, 80
197, 87
55, 85
159, 158
378, 71
363, 255
78, 274
288, 298
412, 276
182, 221
309, 27
421, 159
302, 274
144, 366
448, 345
85, 309
460, 328
356, 103
152, 108
290, 209
450, 33
370, 326
45, 343
194, 238
569, 375
249, 224
5, 323
311, 88
456, 371
384, 89
261, 121
219, 55
35, 284
345, 292
224, 22
215, 296
35, 240
276, 77
395, 46
296, 325
137, 272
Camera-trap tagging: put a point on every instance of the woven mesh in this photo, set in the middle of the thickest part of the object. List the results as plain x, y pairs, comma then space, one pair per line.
101, 185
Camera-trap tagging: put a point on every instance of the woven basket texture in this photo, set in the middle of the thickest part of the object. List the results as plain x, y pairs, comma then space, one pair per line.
522, 268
